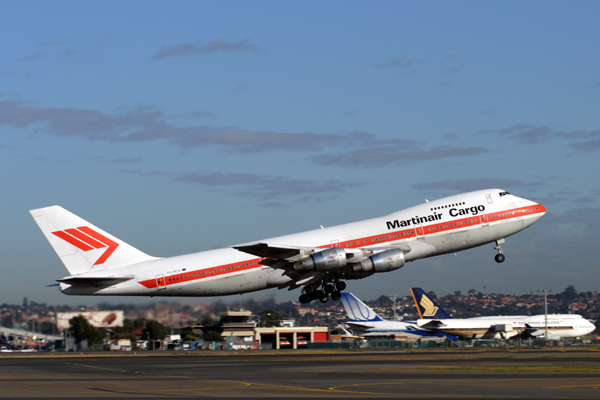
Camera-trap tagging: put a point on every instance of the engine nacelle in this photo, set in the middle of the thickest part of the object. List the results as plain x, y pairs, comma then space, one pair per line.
323, 261
385, 261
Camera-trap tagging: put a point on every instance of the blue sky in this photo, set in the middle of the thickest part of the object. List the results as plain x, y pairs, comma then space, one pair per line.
185, 126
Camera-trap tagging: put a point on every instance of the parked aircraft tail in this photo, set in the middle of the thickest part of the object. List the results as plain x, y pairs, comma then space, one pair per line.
357, 310
427, 307
81, 246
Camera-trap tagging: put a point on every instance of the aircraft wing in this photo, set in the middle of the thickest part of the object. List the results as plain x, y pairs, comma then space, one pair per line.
540, 333
284, 257
430, 323
295, 253
275, 252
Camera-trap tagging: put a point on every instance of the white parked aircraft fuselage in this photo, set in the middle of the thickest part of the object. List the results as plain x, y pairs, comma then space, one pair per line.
437, 227
504, 327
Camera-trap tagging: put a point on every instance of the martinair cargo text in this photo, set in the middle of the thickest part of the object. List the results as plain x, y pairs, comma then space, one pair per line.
316, 261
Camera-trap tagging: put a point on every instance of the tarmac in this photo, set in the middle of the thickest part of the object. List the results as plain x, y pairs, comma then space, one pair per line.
434, 373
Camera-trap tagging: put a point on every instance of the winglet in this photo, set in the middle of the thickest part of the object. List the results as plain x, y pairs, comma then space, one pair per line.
426, 306
357, 310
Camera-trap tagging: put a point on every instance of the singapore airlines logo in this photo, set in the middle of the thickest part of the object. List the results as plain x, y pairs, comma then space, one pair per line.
86, 239
427, 304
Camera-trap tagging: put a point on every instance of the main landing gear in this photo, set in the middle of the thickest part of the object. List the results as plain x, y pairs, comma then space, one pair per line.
500, 256
323, 293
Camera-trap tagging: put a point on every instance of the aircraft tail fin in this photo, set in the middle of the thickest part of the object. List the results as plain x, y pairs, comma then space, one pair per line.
427, 307
81, 246
357, 310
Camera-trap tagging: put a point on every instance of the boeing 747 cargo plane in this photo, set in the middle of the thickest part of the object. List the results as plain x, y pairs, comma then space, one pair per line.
316, 261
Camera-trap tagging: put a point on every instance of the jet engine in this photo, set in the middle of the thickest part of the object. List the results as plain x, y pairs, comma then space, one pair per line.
323, 261
385, 261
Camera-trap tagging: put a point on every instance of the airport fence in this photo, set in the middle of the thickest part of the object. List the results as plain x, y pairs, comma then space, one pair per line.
481, 343
524, 343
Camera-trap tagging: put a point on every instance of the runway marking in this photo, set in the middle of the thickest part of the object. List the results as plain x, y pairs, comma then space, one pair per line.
517, 368
401, 383
251, 385
596, 386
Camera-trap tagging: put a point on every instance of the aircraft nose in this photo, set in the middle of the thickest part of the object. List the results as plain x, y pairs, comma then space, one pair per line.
541, 210
532, 209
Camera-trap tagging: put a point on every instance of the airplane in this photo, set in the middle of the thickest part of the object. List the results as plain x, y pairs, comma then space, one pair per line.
317, 261
364, 319
560, 326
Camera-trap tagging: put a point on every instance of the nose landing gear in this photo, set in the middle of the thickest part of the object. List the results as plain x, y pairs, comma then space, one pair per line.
500, 256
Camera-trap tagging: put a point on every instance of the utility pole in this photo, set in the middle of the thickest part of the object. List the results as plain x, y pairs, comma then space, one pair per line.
545, 311
393, 297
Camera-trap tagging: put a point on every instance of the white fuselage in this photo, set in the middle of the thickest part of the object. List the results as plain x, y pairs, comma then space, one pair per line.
504, 327
442, 226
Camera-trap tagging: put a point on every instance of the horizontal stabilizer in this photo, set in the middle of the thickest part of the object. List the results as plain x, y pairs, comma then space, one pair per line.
95, 280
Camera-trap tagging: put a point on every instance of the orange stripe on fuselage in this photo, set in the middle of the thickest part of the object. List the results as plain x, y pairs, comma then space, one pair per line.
474, 220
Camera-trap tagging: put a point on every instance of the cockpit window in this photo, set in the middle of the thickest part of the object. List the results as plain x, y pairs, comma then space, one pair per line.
503, 194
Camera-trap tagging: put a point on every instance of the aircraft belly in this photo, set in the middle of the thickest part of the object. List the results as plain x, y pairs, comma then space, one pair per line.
508, 228
459, 240
440, 242
421, 248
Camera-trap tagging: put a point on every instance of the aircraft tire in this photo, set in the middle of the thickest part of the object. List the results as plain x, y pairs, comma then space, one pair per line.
329, 289
500, 258
324, 299
318, 294
336, 295
340, 286
305, 298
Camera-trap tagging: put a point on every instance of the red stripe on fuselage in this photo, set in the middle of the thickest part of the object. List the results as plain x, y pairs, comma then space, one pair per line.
465, 222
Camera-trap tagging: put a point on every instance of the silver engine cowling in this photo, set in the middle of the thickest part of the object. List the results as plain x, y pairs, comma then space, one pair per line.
323, 261
385, 261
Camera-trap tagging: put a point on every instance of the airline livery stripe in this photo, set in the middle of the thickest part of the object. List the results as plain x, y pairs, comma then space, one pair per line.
112, 246
415, 300
75, 242
396, 236
205, 273
85, 238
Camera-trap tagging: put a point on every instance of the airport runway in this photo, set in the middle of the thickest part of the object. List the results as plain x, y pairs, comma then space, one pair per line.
530, 374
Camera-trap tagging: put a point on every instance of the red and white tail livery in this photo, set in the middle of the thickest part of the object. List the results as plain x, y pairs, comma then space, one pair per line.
81, 246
